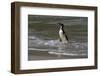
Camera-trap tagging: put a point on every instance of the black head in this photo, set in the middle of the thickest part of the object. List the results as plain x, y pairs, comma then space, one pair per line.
62, 25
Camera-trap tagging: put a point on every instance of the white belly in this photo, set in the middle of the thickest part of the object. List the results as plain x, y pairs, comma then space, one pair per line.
62, 36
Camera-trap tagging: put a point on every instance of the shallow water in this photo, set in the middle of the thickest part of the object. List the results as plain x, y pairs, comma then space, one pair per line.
72, 48
43, 37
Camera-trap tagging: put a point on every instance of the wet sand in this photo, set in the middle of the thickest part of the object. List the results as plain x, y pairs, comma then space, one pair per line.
44, 55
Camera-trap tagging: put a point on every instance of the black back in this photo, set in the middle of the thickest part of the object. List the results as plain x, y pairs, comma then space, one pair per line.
62, 27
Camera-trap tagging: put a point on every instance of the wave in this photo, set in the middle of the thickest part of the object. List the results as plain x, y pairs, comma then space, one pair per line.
72, 48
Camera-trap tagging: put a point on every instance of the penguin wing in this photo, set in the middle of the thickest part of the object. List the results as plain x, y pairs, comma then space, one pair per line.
66, 36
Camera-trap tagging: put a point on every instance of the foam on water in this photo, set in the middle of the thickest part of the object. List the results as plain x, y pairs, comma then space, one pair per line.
72, 48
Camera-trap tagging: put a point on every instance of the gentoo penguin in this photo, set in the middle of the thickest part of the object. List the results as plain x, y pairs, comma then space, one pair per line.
62, 34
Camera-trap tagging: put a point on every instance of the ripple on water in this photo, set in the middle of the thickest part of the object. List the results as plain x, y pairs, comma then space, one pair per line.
71, 48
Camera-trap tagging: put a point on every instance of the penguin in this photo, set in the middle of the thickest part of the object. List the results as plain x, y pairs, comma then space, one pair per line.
63, 36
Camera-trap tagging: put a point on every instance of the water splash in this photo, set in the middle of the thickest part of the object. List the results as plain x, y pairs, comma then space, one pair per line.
72, 48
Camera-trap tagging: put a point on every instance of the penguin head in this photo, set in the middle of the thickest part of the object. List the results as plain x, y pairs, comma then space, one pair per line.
61, 25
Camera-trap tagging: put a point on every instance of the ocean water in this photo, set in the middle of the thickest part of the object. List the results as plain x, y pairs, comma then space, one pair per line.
43, 38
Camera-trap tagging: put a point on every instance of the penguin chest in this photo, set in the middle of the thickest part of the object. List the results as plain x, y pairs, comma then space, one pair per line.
62, 36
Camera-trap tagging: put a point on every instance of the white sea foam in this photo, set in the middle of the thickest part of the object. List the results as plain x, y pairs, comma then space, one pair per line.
72, 48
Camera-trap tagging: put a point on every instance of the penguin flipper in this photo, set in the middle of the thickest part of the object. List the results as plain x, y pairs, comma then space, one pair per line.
66, 37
